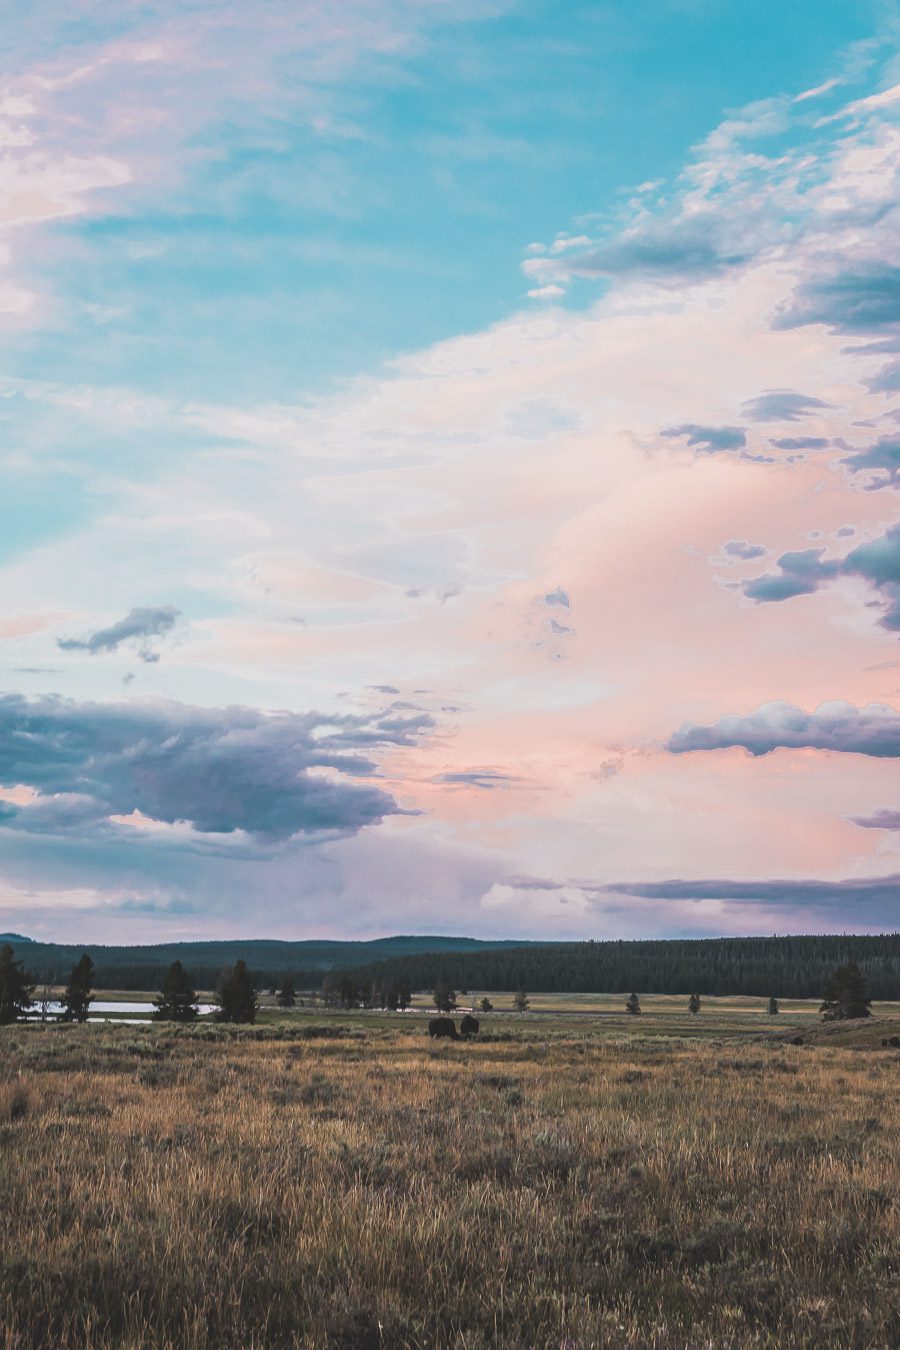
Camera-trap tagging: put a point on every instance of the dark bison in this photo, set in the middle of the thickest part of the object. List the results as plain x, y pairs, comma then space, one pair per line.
798, 1040
469, 1026
891, 1041
443, 1026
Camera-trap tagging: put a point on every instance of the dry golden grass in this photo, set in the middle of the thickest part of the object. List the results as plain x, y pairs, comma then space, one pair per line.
346, 1183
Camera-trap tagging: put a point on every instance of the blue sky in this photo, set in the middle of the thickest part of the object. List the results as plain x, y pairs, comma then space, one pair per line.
311, 233
509, 386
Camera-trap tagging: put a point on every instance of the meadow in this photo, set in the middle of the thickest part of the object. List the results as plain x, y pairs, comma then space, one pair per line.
575, 1178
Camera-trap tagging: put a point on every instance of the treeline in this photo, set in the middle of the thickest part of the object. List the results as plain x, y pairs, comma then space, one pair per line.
305, 963
235, 995
784, 967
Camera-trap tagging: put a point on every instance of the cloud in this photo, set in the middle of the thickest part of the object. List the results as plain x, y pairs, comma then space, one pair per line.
675, 251
740, 548
781, 405
881, 459
804, 571
801, 443
485, 779
220, 770
801, 893
137, 626
865, 298
882, 819
873, 730
557, 597
708, 439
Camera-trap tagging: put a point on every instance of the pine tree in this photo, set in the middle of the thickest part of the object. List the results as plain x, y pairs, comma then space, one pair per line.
633, 1004
844, 995
236, 995
287, 994
773, 1006
486, 1005
520, 1002
76, 999
15, 987
694, 1004
444, 997
177, 1001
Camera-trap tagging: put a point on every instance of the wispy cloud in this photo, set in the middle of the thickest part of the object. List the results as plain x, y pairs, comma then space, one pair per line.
138, 626
781, 405
883, 819
708, 439
840, 727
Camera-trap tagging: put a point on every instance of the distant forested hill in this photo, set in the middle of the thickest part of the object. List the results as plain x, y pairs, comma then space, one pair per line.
305, 962
787, 967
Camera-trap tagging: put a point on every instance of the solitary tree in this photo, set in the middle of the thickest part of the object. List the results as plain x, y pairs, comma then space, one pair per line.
694, 1004
287, 994
520, 1002
487, 1005
633, 1004
773, 1007
76, 999
845, 994
15, 987
177, 1001
236, 995
444, 997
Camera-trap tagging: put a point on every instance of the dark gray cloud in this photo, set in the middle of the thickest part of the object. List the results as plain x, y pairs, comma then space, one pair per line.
866, 299
781, 405
138, 626
709, 439
870, 900
887, 381
882, 819
742, 549
801, 443
486, 779
558, 597
220, 769
884, 891
873, 730
881, 461
803, 572
879, 563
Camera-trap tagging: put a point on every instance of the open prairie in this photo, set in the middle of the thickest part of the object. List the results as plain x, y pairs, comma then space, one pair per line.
338, 1180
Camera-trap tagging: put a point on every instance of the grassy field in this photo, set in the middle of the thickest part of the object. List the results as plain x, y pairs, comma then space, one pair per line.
337, 1180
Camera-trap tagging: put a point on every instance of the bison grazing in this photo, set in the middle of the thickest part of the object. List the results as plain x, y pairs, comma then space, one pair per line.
443, 1026
469, 1026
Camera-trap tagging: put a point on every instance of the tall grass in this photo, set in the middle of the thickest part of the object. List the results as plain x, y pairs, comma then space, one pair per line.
373, 1190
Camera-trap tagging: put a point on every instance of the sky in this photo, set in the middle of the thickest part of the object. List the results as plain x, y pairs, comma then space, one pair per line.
449, 458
